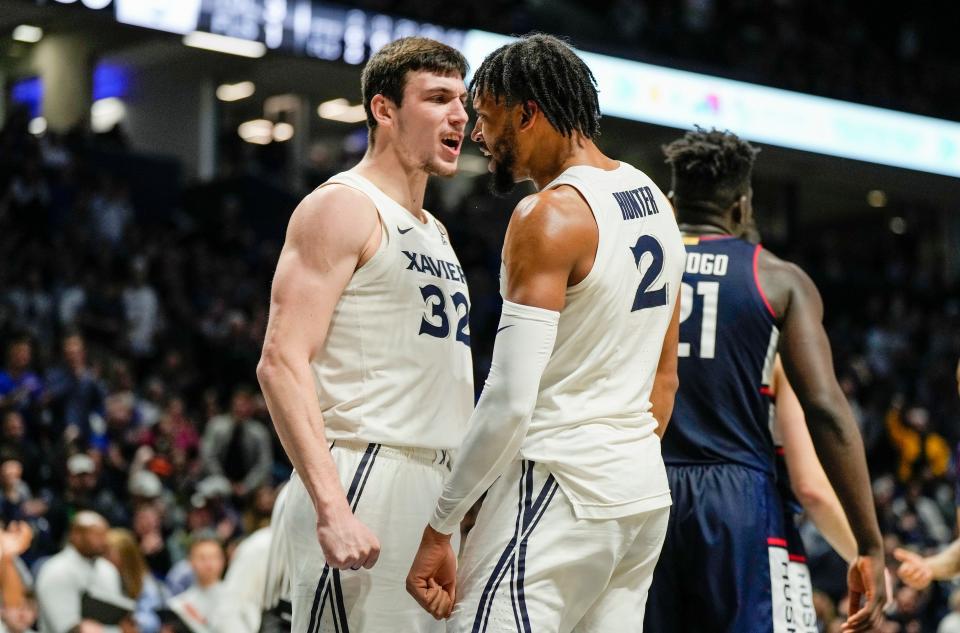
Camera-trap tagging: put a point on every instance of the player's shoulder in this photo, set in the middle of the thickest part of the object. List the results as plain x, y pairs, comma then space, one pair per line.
775, 266
335, 212
781, 280
336, 199
558, 211
553, 228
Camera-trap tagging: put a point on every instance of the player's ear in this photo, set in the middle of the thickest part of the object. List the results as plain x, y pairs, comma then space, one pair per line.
740, 212
746, 210
528, 112
383, 110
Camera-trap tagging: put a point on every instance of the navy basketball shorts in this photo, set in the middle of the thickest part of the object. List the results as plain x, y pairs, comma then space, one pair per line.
725, 567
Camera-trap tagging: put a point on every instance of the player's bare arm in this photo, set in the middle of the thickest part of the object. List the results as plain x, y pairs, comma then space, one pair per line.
807, 479
334, 231
665, 384
808, 364
550, 244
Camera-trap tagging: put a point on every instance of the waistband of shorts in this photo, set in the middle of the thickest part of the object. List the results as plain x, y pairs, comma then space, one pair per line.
441, 458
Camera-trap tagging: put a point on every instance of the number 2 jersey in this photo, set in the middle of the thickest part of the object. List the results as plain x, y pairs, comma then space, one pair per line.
728, 345
592, 426
395, 368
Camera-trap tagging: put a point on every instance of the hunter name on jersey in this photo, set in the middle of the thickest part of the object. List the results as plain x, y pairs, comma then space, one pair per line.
636, 203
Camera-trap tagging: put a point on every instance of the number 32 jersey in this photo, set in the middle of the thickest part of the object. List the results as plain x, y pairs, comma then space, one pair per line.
592, 426
728, 344
395, 368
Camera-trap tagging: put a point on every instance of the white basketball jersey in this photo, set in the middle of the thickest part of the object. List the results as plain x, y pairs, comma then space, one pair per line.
592, 425
396, 368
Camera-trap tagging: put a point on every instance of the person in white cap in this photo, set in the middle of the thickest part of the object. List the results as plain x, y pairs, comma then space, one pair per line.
82, 493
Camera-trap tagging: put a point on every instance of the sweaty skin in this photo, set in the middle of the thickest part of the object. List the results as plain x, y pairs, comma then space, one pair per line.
550, 244
333, 232
808, 363
807, 479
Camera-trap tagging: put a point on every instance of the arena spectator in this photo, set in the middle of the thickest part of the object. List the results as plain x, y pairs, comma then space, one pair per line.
920, 519
951, 622
199, 603
34, 305
238, 447
20, 387
137, 581
111, 211
78, 569
142, 309
74, 392
148, 529
83, 493
15, 494
921, 452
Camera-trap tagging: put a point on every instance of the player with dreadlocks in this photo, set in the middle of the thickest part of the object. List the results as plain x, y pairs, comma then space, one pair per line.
726, 549
564, 437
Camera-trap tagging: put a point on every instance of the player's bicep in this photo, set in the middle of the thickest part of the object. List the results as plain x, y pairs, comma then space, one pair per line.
804, 346
322, 249
538, 286
543, 241
302, 301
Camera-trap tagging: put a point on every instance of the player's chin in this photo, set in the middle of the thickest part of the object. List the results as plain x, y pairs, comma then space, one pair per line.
444, 167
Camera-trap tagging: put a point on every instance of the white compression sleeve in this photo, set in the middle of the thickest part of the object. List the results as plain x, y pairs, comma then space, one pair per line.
499, 424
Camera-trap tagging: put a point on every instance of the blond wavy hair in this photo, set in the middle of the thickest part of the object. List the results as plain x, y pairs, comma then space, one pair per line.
125, 554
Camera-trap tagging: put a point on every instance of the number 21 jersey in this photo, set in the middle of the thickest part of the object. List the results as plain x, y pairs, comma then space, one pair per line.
728, 344
395, 368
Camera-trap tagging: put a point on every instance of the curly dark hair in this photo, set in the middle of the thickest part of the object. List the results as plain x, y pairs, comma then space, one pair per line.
710, 167
543, 69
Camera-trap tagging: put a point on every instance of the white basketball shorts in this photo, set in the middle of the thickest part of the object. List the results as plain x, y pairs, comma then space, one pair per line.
393, 491
530, 565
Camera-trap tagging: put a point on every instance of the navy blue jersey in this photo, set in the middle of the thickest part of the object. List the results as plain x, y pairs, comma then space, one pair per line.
728, 343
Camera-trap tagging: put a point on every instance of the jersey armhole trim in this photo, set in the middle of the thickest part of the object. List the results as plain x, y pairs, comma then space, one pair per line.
385, 237
575, 183
756, 279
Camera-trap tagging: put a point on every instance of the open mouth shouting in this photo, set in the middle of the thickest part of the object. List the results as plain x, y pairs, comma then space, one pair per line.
452, 142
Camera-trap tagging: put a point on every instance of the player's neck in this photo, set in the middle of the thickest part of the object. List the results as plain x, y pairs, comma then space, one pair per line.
557, 153
404, 184
704, 223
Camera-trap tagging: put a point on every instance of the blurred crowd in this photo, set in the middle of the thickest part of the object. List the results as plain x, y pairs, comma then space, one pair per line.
130, 339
